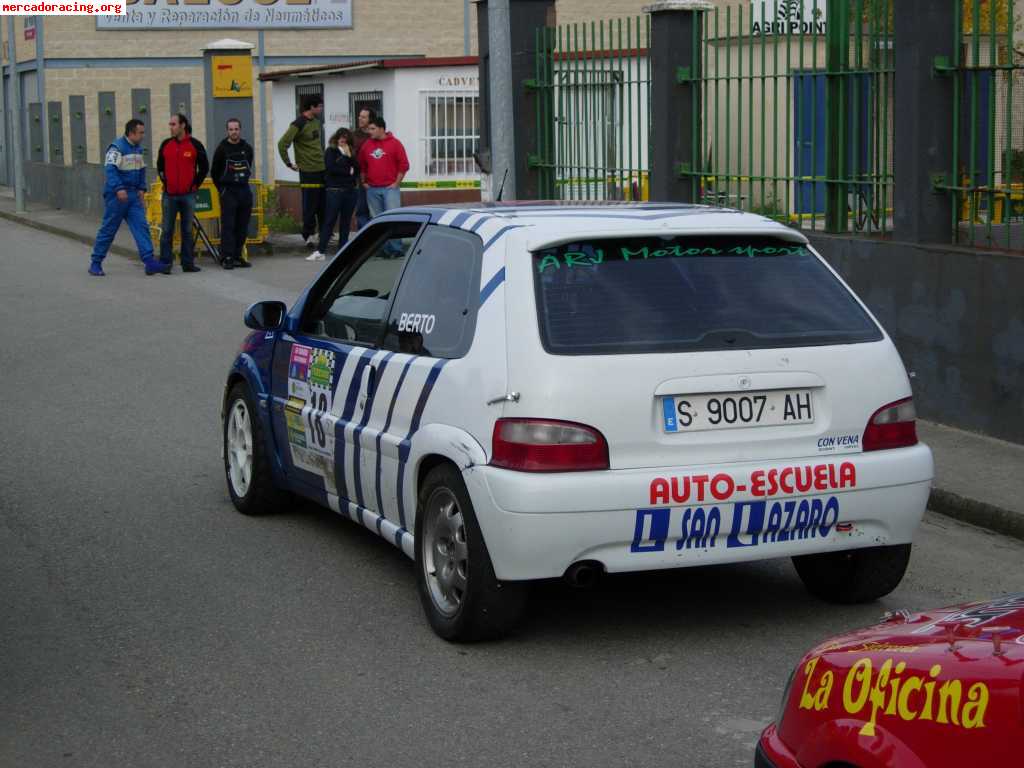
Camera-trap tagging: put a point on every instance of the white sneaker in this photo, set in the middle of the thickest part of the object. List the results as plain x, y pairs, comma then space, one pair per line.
316, 256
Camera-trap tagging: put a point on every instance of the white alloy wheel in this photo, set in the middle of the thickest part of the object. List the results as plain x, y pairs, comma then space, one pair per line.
239, 447
445, 552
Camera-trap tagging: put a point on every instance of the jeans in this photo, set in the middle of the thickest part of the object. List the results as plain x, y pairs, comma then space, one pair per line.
235, 212
114, 212
362, 209
382, 199
174, 205
312, 184
340, 204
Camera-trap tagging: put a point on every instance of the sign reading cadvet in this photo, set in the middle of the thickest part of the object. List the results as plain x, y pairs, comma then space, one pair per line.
246, 14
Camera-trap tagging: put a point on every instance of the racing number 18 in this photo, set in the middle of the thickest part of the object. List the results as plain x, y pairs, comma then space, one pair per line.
314, 417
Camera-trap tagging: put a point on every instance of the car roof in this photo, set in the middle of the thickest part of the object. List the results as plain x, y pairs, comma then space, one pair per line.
550, 222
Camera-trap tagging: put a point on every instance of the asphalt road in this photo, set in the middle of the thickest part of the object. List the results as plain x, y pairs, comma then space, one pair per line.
146, 623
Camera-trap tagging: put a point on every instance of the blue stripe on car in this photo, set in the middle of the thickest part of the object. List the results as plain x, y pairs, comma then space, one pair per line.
404, 446
499, 233
357, 434
387, 426
492, 285
346, 415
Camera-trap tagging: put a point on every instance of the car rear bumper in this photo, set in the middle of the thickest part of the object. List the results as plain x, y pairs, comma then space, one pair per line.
772, 753
537, 525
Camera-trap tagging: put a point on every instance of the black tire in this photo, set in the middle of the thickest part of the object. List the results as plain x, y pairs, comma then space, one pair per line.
260, 496
487, 608
853, 575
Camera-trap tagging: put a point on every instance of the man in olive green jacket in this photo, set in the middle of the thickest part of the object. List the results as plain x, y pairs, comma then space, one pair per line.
306, 133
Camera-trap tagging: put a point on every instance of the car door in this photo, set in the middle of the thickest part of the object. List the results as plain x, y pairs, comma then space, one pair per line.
321, 371
431, 324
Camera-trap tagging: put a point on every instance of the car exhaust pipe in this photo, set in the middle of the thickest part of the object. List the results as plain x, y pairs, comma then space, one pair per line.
584, 574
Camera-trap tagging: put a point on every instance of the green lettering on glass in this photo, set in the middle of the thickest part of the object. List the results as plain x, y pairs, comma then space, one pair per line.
574, 258
548, 261
627, 254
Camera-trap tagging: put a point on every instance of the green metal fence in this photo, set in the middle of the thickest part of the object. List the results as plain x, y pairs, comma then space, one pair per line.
986, 177
593, 127
797, 105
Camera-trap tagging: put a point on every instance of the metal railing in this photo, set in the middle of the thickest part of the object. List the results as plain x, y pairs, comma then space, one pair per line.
987, 166
593, 110
797, 108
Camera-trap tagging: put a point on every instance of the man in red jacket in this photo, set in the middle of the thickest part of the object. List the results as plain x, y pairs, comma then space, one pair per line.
182, 165
383, 163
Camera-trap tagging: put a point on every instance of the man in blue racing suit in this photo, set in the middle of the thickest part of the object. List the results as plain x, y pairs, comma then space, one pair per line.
125, 168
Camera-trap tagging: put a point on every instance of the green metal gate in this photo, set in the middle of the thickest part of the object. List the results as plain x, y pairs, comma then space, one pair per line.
986, 178
797, 105
593, 127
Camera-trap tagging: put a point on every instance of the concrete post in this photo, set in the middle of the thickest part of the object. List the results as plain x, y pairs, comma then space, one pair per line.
508, 60
923, 143
41, 85
675, 71
264, 173
16, 118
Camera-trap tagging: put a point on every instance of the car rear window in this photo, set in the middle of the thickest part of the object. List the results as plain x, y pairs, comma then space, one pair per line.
682, 294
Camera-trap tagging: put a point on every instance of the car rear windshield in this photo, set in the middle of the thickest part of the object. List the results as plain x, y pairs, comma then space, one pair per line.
682, 294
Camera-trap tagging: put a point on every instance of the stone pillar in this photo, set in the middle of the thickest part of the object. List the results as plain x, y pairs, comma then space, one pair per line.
923, 143
675, 71
508, 50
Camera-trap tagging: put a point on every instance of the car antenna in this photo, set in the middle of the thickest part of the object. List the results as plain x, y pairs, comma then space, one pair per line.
501, 189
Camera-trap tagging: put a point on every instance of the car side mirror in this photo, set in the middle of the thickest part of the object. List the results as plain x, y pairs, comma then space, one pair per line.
265, 315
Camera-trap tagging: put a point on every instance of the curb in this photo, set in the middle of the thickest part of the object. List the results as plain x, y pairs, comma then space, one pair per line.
977, 513
263, 249
120, 250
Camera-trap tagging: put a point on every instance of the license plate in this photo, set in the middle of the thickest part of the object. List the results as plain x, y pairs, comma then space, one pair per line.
733, 410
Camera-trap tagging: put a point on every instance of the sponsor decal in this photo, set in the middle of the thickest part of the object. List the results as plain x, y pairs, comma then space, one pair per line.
593, 257
836, 443
293, 418
882, 648
884, 692
760, 484
750, 524
416, 323
310, 398
976, 615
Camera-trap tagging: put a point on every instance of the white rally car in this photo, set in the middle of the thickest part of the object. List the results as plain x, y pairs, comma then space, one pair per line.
511, 393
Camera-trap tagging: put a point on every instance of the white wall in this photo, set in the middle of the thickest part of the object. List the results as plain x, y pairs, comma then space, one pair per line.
404, 105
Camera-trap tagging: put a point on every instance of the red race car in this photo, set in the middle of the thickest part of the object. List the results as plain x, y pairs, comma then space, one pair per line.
937, 689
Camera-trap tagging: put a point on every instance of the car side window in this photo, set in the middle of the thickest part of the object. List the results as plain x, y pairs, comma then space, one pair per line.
353, 308
434, 313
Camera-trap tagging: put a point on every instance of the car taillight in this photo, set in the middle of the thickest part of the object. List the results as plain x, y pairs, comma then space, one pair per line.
892, 426
546, 445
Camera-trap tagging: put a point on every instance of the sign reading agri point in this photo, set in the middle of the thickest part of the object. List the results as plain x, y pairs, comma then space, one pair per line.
246, 14
788, 17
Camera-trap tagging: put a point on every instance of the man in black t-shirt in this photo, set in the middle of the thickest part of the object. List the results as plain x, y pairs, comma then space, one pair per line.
232, 168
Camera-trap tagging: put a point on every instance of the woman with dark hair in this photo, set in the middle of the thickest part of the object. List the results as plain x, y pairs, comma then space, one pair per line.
341, 178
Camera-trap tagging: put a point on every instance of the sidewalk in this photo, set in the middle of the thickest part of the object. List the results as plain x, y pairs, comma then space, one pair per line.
82, 228
978, 479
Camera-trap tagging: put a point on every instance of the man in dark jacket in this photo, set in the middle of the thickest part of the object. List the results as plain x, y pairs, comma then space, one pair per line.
182, 165
306, 134
232, 168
